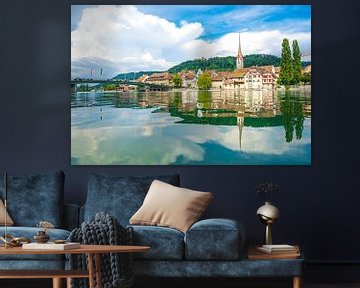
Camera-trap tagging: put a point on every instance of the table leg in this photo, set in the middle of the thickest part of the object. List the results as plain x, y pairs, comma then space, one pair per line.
91, 270
57, 283
98, 270
68, 282
297, 282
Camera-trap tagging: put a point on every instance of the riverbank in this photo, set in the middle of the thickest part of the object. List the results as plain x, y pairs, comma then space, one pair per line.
305, 88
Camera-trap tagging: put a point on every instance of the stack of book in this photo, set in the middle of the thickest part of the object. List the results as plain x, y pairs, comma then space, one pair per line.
279, 249
273, 252
51, 246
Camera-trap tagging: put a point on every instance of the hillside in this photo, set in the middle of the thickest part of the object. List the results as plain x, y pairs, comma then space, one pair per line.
215, 63
226, 63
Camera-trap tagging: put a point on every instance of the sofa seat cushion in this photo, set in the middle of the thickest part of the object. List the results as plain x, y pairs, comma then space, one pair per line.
166, 243
214, 239
120, 196
29, 232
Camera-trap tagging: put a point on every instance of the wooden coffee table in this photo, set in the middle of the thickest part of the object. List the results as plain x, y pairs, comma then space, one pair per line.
92, 251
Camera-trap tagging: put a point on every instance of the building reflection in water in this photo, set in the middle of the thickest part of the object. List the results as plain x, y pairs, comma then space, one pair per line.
251, 108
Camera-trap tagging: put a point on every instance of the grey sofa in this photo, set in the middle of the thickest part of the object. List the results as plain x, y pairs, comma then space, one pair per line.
210, 248
32, 199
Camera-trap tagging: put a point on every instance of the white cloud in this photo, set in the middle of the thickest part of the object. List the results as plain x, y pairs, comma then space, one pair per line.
262, 42
123, 39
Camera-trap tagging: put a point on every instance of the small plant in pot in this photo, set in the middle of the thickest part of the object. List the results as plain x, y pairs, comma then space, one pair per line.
265, 190
41, 236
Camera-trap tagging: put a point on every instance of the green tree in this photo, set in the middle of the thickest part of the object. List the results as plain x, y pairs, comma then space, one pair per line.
296, 62
306, 78
177, 81
204, 82
110, 87
286, 64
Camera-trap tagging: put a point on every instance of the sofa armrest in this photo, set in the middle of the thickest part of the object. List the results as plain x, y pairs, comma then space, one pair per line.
81, 214
71, 216
215, 239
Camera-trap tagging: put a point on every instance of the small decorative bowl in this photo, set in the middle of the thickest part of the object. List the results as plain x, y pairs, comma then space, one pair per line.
41, 237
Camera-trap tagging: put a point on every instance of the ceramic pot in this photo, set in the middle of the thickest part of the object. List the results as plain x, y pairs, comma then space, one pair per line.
41, 237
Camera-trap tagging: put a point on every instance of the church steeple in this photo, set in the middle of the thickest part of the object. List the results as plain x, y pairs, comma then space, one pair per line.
239, 57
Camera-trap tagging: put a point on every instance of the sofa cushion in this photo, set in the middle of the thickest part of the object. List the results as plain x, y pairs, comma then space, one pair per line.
214, 239
9, 221
165, 243
35, 198
120, 196
169, 206
29, 232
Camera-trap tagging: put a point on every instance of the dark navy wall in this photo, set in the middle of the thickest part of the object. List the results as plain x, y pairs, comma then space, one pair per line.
318, 203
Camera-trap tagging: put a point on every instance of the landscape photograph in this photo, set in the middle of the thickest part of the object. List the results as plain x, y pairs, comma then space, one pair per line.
191, 85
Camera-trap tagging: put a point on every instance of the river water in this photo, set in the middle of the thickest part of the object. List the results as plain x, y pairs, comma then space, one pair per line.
247, 127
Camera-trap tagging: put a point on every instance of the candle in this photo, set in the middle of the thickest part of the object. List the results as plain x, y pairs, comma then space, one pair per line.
5, 186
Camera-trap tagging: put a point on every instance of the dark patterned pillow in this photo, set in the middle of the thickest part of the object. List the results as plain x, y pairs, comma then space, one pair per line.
35, 198
120, 196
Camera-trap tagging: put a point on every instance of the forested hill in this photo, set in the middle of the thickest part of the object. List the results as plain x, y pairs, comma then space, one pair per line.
226, 63
215, 63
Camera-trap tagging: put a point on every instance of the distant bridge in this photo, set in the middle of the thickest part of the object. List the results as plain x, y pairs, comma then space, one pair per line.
150, 86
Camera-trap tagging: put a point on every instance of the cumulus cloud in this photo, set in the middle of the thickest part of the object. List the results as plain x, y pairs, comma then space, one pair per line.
129, 39
115, 39
259, 42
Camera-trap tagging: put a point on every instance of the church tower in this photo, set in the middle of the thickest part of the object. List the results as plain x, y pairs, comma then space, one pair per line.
239, 57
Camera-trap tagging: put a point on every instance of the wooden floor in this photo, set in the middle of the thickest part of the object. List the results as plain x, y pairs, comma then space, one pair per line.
339, 285
45, 283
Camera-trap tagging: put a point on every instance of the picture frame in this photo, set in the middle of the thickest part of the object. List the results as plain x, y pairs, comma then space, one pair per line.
191, 85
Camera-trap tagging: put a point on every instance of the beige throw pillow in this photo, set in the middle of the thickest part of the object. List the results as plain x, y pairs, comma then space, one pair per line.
9, 221
170, 206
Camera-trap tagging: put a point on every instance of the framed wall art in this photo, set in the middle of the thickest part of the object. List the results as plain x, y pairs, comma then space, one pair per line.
191, 85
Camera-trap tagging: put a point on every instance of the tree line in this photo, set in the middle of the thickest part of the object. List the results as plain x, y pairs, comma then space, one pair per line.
290, 65
203, 82
225, 63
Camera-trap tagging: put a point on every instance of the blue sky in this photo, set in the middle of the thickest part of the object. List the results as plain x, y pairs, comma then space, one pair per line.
222, 19
156, 37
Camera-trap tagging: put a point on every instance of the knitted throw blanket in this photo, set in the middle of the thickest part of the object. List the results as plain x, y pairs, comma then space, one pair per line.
116, 268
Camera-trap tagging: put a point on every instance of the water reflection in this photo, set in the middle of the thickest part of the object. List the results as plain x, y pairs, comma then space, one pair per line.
187, 122
293, 112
